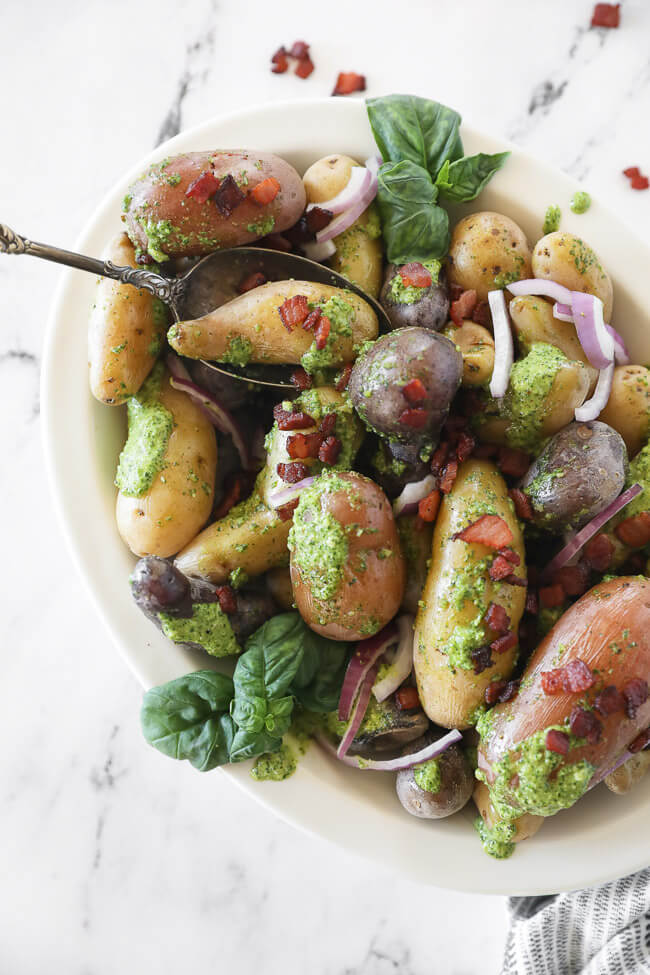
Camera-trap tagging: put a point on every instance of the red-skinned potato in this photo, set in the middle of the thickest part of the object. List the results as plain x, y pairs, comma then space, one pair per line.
162, 220
347, 567
608, 629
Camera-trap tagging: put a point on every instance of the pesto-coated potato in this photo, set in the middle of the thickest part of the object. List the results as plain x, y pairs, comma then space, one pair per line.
487, 251
437, 788
524, 827
423, 307
628, 407
451, 618
125, 331
477, 348
177, 503
250, 329
347, 567
164, 221
533, 321
568, 260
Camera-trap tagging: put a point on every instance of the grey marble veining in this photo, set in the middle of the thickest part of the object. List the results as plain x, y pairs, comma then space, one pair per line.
112, 858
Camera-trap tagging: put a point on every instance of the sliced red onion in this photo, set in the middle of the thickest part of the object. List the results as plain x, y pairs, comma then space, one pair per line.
365, 656
593, 407
504, 350
358, 182
580, 539
346, 219
217, 414
176, 367
407, 502
562, 312
594, 338
402, 663
393, 764
541, 286
373, 163
319, 252
621, 354
358, 712
285, 495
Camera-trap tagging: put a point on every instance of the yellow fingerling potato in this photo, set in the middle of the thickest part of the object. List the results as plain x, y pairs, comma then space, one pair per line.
249, 328
566, 259
278, 582
487, 251
628, 407
525, 826
125, 331
628, 774
358, 254
477, 347
176, 505
533, 321
458, 591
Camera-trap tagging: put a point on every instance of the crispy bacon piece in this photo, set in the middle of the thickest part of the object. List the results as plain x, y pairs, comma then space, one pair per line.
439, 458
287, 510
415, 275
504, 643
500, 691
293, 311
550, 596
598, 552
514, 580
462, 307
203, 187
574, 579
532, 602
513, 462
349, 82
299, 49
232, 497
407, 699
639, 183
228, 196
490, 530
266, 191
557, 741
510, 555
497, 618
329, 450
303, 445
552, 681
635, 692
286, 420
301, 379
635, 531
428, 507
585, 724
631, 172
523, 506
482, 659
414, 392
609, 701
499, 569
576, 676
292, 473
276, 242
328, 424
253, 280
482, 315
304, 67
606, 15
227, 599
322, 332
344, 377
414, 417
639, 742
449, 476
317, 219
312, 320
465, 446
279, 61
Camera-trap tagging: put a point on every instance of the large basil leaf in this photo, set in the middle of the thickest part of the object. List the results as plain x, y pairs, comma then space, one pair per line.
414, 227
188, 718
464, 179
317, 684
419, 130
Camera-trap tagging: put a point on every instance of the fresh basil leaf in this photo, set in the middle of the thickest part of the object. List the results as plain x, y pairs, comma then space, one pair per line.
464, 179
188, 718
414, 227
317, 685
419, 130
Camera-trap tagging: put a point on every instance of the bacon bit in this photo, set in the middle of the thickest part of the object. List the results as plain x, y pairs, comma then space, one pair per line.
639, 742
485, 450
635, 531
407, 699
513, 462
227, 599
203, 187
637, 180
550, 596
312, 320
585, 724
635, 564
463, 307
514, 580
329, 450
635, 692
304, 67
266, 191
228, 196
299, 50
609, 701
415, 392
631, 172
557, 741
303, 445
232, 496
465, 446
317, 219
291, 421
482, 315
552, 681
292, 473
523, 506
490, 530
349, 82
439, 458
574, 579
428, 507
532, 602
287, 510
415, 418
606, 15
279, 61
293, 311
322, 332
504, 643
598, 552
482, 659
454, 426
499, 569
577, 676
301, 378
328, 424
344, 377
455, 291
510, 555
254, 280
500, 691
276, 242
415, 275
449, 476
497, 618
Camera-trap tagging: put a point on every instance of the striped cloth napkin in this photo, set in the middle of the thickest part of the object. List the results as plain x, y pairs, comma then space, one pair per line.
599, 931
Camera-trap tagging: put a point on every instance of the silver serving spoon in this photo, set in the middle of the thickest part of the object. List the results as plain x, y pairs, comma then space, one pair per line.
210, 282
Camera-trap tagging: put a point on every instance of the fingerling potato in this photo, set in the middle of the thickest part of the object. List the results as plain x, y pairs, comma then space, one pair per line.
487, 251
477, 348
628, 406
568, 260
533, 321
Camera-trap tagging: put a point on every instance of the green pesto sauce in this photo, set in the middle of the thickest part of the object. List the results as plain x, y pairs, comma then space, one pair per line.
580, 202
238, 352
530, 383
583, 257
318, 541
552, 219
383, 465
238, 577
158, 233
497, 842
262, 227
547, 618
428, 776
208, 626
505, 278
409, 294
341, 316
150, 427
275, 766
639, 473
377, 718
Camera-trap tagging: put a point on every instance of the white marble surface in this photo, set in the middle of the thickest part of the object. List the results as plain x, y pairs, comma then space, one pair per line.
112, 858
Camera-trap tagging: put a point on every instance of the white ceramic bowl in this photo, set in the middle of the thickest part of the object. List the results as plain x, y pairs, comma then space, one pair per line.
604, 836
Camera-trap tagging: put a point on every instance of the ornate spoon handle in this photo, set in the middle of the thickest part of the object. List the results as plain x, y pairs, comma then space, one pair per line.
169, 290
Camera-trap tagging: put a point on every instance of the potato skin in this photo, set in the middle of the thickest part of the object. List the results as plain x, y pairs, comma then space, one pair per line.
199, 228
477, 348
613, 615
628, 407
485, 246
630, 773
567, 259
175, 507
525, 826
448, 697
125, 331
455, 790
372, 584
429, 311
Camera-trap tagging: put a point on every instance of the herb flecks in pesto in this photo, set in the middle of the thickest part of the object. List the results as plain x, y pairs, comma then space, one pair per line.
552, 219
317, 541
262, 227
524, 404
341, 315
428, 776
208, 626
150, 427
238, 352
409, 294
580, 201
158, 233
275, 766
